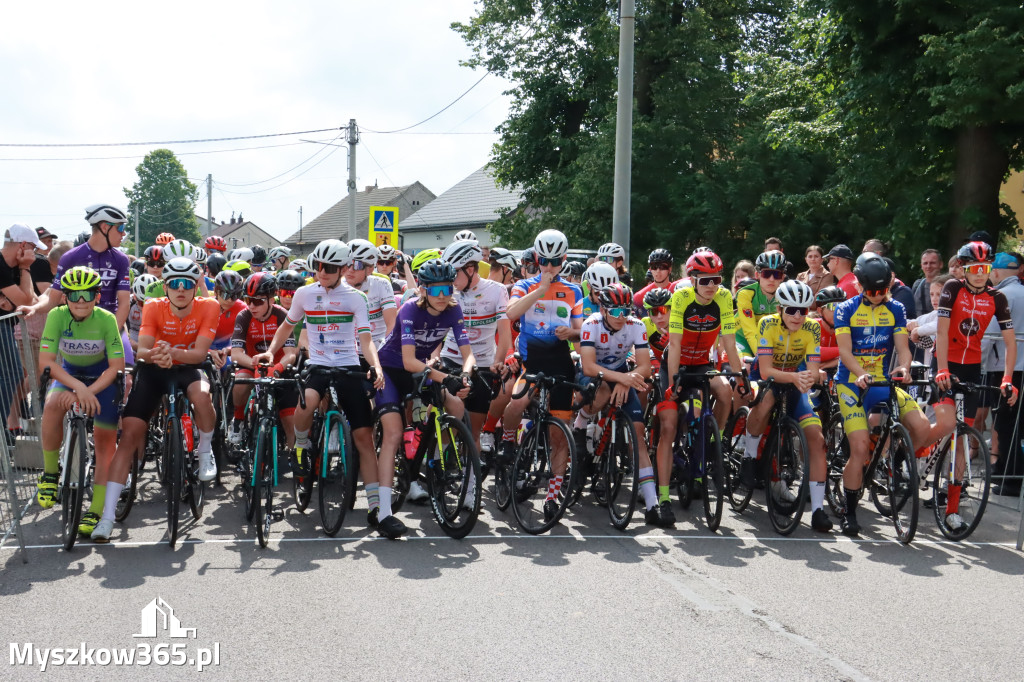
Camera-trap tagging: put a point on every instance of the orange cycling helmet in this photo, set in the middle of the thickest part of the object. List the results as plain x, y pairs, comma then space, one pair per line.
164, 238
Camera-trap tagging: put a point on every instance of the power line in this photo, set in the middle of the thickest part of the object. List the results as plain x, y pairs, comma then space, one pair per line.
416, 125
388, 177
267, 189
139, 156
260, 182
134, 144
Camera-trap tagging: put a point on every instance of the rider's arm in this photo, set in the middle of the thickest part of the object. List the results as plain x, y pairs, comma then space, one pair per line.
390, 315
643, 361
903, 355
194, 355
124, 306
517, 306
411, 364
745, 316
504, 340
145, 347
369, 352
845, 343
733, 353
942, 345
238, 338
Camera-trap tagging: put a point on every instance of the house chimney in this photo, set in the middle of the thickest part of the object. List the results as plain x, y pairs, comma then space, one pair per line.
240, 221
232, 217
370, 188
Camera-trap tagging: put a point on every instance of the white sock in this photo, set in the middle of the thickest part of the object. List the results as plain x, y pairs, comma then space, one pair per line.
750, 445
206, 441
582, 419
817, 495
647, 487
110, 502
385, 503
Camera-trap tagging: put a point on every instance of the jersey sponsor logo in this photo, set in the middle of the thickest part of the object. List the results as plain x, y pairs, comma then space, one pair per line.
562, 312
586, 336
969, 326
604, 338
560, 294
748, 313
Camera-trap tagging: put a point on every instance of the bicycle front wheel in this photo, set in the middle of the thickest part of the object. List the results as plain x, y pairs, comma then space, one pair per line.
74, 484
453, 479
901, 473
131, 489
971, 469
837, 454
787, 487
714, 473
173, 459
732, 453
335, 473
536, 501
622, 472
263, 482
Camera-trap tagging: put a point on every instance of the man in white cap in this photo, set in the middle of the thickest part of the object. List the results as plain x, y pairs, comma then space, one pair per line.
16, 257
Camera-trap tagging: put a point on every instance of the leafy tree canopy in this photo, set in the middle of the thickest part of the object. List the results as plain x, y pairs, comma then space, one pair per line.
165, 198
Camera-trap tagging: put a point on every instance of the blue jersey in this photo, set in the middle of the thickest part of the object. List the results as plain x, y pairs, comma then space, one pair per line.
555, 309
873, 330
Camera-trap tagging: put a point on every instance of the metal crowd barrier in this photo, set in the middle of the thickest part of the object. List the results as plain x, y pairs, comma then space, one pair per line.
21, 453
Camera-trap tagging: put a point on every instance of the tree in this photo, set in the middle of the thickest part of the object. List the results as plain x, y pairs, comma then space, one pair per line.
165, 197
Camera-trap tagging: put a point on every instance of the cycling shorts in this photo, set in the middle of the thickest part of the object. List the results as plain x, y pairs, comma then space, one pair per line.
479, 399
800, 406
287, 395
107, 417
142, 402
556, 365
855, 416
630, 407
351, 394
970, 374
398, 383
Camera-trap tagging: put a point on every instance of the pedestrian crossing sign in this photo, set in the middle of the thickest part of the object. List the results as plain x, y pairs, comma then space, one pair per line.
384, 225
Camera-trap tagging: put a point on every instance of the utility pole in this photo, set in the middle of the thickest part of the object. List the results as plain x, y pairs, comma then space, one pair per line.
300, 243
209, 204
624, 127
353, 139
136, 229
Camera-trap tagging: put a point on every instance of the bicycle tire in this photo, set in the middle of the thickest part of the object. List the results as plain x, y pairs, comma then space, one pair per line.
837, 454
531, 475
714, 473
175, 469
74, 485
975, 486
131, 490
452, 476
902, 484
334, 474
263, 491
196, 491
162, 464
622, 473
245, 469
732, 454
787, 476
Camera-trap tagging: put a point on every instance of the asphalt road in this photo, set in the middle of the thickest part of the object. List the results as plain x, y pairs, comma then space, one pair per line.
584, 602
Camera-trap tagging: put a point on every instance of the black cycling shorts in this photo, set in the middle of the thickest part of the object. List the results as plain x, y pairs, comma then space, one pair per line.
557, 365
479, 399
152, 383
351, 394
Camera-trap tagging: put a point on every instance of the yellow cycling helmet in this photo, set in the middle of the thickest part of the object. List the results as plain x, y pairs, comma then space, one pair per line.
423, 256
80, 278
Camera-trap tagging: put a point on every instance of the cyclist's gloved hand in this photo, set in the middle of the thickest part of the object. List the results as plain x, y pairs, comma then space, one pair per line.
453, 383
1008, 389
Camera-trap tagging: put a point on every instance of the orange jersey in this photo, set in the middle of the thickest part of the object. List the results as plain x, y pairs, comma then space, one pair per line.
160, 322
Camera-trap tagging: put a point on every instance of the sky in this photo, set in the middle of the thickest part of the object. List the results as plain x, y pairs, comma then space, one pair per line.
109, 72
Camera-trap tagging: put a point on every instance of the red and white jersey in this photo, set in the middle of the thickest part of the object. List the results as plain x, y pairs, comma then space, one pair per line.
482, 307
380, 297
334, 320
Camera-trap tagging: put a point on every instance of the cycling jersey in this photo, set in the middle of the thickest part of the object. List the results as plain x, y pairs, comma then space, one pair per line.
254, 337
134, 320
160, 322
483, 306
81, 344
112, 266
415, 326
969, 315
555, 309
789, 349
751, 306
872, 330
586, 307
638, 297
657, 340
380, 297
226, 325
612, 347
334, 319
700, 323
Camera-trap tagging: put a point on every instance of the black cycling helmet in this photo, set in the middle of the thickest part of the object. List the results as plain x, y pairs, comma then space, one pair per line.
155, 253
215, 263
660, 256
229, 282
138, 266
259, 255
657, 297
82, 238
261, 284
290, 280
576, 268
435, 271
873, 273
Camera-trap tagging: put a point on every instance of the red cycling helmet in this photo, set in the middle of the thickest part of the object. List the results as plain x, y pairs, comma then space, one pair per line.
975, 252
617, 295
261, 284
215, 243
704, 263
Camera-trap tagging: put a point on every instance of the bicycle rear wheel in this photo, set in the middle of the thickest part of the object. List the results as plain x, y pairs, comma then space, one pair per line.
173, 459
837, 454
786, 492
454, 480
73, 484
335, 473
196, 491
973, 472
532, 475
263, 487
622, 472
901, 471
714, 473
131, 489
732, 454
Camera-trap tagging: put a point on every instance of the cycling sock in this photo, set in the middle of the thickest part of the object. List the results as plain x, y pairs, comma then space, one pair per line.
110, 504
582, 419
51, 461
817, 495
99, 495
508, 436
385, 503
205, 441
750, 446
553, 487
663, 493
302, 439
647, 487
373, 495
239, 413
923, 451
491, 423
953, 498
851, 502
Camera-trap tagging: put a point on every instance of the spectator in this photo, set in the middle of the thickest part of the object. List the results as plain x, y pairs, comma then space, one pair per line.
931, 266
955, 269
743, 270
900, 291
16, 257
927, 324
46, 237
839, 261
775, 244
1004, 278
816, 276
874, 246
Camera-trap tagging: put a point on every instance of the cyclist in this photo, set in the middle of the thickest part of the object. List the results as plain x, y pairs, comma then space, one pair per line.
870, 329
214, 264
255, 328
215, 243
660, 264
278, 257
163, 238
87, 340
378, 290
528, 262
545, 306
155, 260
504, 266
615, 255
227, 289
607, 338
336, 318
288, 282
301, 266
259, 258
417, 262
139, 297
175, 337
597, 277
700, 315
757, 300
657, 303
789, 353
239, 266
465, 236
387, 264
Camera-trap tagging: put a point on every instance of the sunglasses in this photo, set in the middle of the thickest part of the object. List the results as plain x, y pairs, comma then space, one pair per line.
661, 266
255, 301
548, 261
360, 265
440, 289
220, 293
154, 263
87, 295
712, 281
328, 268
794, 310
286, 293
120, 227
386, 262
179, 283
659, 310
618, 312
773, 274
978, 268
875, 292
606, 259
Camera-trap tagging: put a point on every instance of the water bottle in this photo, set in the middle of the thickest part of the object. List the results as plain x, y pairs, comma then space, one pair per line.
411, 441
594, 431
419, 411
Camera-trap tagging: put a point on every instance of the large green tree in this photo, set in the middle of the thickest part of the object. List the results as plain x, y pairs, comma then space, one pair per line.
165, 198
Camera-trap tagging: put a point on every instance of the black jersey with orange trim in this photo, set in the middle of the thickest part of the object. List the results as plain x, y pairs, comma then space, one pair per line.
969, 314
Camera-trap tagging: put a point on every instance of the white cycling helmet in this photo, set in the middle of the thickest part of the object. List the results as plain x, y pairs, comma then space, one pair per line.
242, 253
363, 251
551, 244
611, 250
600, 275
180, 248
98, 213
794, 293
278, 252
182, 267
463, 252
299, 265
386, 252
331, 252
465, 235
142, 283
200, 256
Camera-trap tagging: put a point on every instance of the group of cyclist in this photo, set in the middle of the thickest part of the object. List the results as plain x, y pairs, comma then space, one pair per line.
383, 318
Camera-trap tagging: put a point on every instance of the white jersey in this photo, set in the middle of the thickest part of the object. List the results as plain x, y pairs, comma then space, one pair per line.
482, 307
380, 297
611, 347
134, 321
334, 319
